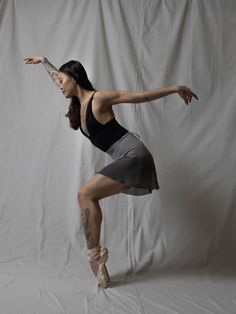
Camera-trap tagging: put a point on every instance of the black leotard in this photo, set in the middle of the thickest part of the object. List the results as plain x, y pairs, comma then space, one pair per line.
102, 135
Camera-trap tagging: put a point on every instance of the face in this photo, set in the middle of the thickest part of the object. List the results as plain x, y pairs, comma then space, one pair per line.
67, 84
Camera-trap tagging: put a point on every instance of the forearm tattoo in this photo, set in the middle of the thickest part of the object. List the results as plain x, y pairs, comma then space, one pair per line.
85, 223
52, 71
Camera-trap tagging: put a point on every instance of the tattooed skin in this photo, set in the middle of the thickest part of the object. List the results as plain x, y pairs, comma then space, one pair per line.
52, 71
85, 222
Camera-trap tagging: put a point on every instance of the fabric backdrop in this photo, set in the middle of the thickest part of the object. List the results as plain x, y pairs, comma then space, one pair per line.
187, 225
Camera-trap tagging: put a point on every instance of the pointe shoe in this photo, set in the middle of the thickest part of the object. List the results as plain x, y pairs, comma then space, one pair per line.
97, 258
102, 274
93, 257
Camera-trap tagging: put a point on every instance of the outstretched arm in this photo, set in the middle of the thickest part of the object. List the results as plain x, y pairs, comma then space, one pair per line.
112, 97
52, 71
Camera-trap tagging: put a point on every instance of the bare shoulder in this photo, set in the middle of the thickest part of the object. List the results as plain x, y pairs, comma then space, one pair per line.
102, 112
105, 99
110, 97
105, 95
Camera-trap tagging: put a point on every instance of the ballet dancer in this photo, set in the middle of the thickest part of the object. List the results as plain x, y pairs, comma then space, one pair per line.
133, 169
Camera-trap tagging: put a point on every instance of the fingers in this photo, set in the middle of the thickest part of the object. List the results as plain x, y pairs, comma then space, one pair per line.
195, 96
192, 95
31, 60
188, 95
185, 98
28, 60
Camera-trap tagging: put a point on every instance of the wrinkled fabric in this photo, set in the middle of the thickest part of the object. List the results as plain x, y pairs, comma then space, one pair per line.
176, 251
133, 166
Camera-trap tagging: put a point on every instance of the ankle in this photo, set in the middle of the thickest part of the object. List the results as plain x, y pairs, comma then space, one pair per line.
94, 253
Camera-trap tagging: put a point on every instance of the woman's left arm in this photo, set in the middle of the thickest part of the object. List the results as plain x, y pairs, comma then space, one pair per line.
52, 71
112, 97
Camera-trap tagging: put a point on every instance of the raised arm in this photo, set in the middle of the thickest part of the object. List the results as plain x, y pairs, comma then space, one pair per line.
112, 97
52, 71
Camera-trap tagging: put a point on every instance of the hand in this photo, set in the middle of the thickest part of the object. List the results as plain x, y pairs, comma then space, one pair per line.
33, 59
185, 93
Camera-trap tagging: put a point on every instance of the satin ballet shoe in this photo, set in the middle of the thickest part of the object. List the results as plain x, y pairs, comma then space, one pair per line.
97, 259
102, 274
94, 256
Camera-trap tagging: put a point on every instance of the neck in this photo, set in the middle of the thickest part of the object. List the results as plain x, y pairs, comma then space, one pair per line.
82, 94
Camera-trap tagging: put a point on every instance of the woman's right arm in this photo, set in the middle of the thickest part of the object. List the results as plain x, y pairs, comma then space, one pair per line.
52, 71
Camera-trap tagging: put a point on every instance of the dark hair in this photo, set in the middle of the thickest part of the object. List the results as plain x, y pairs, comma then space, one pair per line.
76, 70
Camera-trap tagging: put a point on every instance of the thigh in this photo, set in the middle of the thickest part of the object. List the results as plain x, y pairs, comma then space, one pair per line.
100, 186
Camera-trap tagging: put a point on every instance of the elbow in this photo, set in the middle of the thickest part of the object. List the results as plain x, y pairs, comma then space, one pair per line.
141, 97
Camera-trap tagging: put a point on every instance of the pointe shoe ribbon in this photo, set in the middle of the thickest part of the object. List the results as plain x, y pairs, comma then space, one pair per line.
94, 254
100, 255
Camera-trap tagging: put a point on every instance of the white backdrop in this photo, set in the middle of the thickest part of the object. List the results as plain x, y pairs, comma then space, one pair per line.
186, 226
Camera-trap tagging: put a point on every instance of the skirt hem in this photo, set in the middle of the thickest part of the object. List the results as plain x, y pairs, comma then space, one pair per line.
131, 190
132, 165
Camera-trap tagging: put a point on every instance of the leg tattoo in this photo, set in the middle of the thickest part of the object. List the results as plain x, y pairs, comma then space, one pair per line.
85, 222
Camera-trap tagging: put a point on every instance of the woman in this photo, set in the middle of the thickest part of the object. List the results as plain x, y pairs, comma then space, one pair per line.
132, 172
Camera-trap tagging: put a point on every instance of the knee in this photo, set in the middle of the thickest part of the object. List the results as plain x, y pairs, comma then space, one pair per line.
84, 195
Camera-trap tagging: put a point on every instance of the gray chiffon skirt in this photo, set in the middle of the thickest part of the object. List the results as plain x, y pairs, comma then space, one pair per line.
133, 166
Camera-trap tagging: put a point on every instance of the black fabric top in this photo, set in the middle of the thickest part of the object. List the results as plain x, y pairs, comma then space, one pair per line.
102, 135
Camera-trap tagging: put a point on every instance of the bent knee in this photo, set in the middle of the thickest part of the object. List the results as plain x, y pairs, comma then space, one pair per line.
82, 194
85, 194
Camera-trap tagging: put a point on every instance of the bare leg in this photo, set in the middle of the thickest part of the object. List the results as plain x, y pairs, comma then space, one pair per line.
95, 189
91, 219
89, 195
